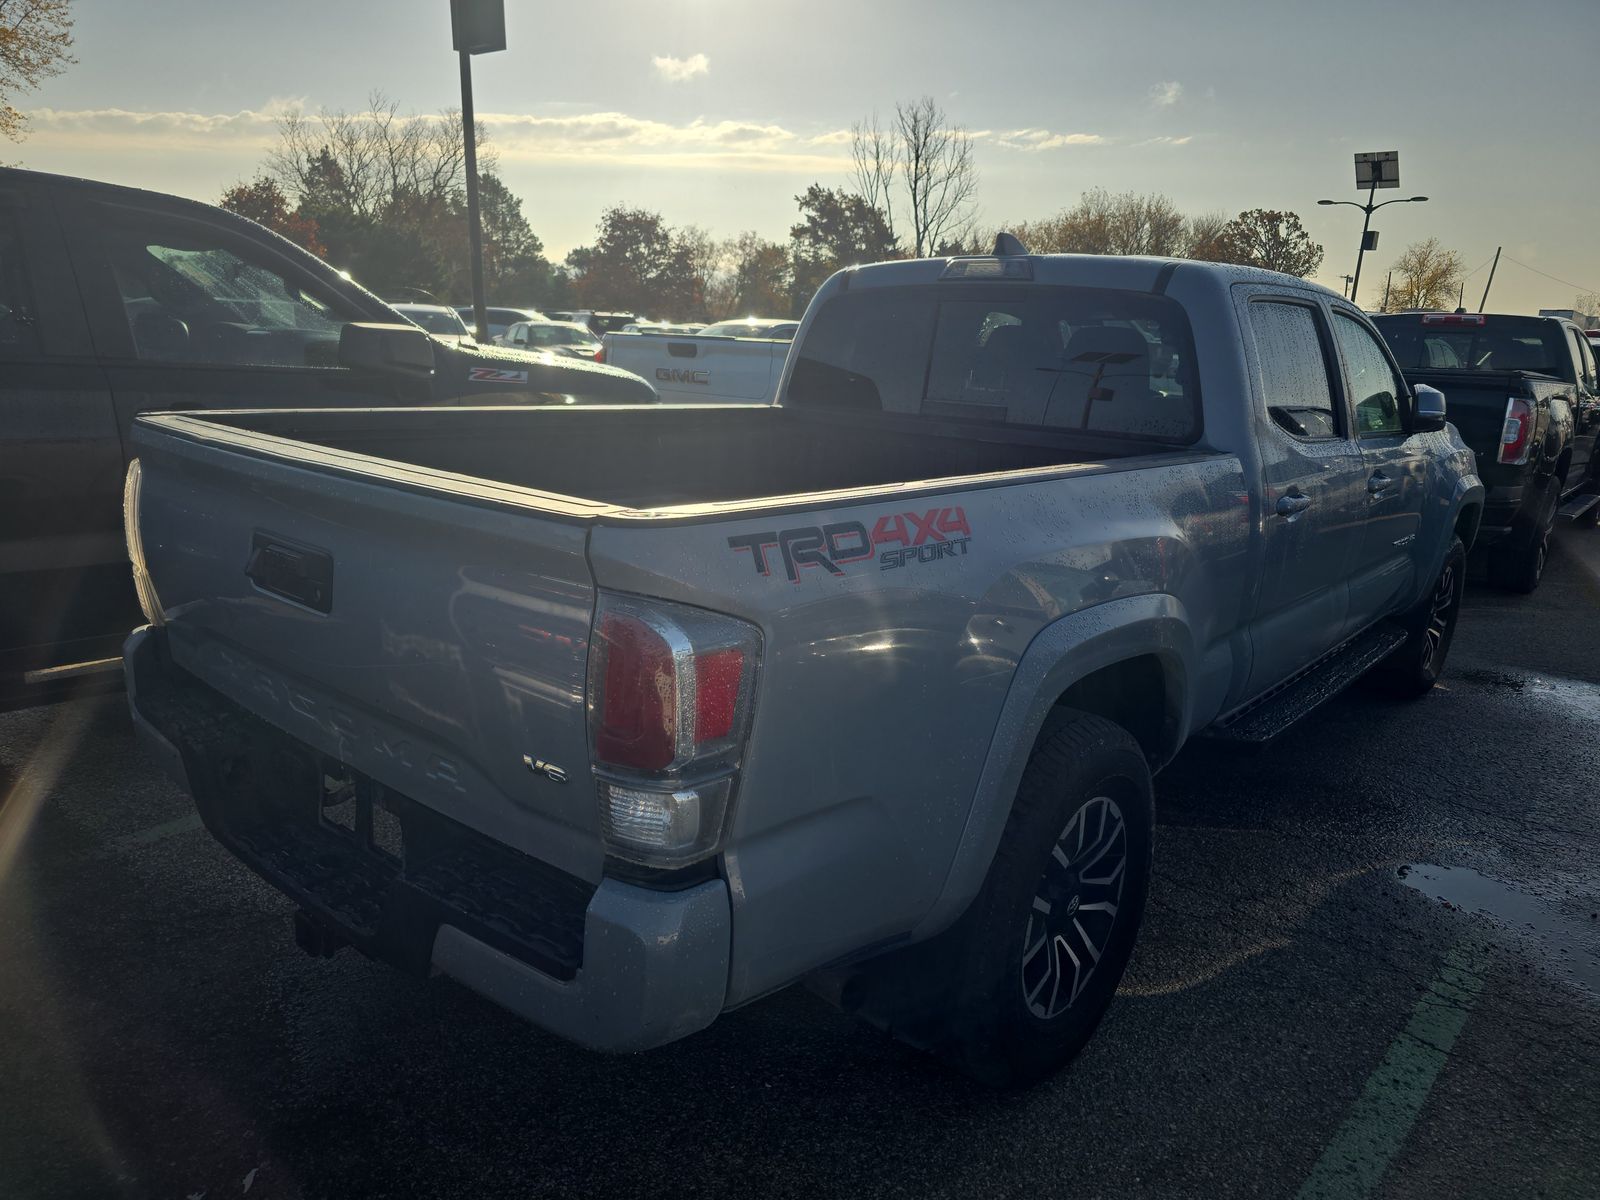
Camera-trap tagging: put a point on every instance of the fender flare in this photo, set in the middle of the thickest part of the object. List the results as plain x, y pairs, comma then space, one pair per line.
1062, 653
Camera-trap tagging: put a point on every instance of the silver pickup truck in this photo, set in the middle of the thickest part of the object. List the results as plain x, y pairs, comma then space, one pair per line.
627, 716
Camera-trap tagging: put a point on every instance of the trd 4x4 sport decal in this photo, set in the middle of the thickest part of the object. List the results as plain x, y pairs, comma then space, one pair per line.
897, 540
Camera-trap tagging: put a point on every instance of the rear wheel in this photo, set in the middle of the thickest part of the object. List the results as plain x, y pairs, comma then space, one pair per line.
1518, 567
1415, 667
1017, 986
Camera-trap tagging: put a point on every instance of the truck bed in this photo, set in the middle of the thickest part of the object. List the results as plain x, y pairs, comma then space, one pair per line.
657, 456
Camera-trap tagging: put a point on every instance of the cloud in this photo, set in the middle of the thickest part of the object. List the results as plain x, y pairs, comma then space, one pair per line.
590, 137
1166, 94
678, 70
1167, 141
1044, 139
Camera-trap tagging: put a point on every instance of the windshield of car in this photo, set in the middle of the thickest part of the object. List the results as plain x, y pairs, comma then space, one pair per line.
1110, 362
1497, 344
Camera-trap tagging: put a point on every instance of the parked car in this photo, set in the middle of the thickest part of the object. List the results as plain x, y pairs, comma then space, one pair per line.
1523, 393
436, 319
115, 301
731, 362
499, 319
679, 706
600, 323
569, 338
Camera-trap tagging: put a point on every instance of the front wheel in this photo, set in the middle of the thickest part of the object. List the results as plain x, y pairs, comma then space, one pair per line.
1415, 667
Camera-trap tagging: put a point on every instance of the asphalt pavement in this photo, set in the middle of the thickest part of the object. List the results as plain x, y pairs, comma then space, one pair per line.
1370, 967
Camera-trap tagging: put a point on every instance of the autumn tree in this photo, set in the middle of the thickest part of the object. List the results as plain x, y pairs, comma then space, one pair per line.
1106, 223
837, 229
35, 44
514, 266
919, 171
264, 203
1426, 275
760, 275
1271, 240
1205, 237
640, 264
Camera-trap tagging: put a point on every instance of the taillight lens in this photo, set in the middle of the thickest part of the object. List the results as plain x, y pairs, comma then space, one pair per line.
1516, 435
600, 355
671, 689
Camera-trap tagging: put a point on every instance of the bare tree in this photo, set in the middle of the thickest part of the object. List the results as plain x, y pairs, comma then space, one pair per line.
371, 162
872, 151
1426, 275
35, 43
928, 162
1204, 239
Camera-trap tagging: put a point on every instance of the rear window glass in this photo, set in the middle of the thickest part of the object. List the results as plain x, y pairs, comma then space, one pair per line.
1064, 358
1500, 344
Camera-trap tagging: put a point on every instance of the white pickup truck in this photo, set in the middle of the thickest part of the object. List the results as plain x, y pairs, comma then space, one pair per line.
734, 362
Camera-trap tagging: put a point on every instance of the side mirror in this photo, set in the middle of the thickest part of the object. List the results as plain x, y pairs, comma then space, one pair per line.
1428, 409
390, 349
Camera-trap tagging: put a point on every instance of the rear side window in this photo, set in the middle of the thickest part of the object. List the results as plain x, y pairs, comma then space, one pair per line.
1294, 369
1374, 389
1061, 358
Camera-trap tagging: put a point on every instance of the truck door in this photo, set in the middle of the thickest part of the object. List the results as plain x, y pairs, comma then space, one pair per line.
188, 313
1310, 490
1395, 475
1585, 410
65, 591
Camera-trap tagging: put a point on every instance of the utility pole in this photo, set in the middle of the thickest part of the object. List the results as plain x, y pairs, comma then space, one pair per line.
476, 27
1387, 284
1345, 291
1490, 284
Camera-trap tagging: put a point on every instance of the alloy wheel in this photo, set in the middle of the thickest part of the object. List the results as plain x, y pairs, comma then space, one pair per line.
1440, 614
1074, 911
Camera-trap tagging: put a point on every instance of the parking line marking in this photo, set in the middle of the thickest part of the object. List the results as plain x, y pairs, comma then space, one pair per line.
1383, 1115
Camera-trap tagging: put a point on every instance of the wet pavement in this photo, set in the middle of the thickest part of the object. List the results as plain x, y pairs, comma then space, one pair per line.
1370, 966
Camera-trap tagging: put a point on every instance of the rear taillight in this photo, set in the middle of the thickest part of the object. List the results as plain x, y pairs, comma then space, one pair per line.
600, 355
1516, 435
671, 690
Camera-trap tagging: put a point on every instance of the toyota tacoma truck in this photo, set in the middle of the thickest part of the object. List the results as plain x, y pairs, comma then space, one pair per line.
628, 717
1523, 394
116, 301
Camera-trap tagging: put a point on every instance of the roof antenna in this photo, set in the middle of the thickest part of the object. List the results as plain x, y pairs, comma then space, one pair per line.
1006, 245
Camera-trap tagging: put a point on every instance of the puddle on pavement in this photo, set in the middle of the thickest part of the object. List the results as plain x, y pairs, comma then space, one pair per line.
1580, 699
1568, 946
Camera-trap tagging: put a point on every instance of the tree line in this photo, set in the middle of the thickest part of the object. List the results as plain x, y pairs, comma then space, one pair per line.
382, 195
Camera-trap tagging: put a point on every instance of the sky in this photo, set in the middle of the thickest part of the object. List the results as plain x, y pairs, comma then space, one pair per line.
718, 113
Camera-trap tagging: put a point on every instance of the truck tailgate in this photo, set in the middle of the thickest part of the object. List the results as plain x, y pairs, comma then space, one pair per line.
424, 639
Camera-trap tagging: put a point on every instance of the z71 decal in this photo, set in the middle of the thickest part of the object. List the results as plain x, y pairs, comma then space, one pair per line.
495, 375
896, 540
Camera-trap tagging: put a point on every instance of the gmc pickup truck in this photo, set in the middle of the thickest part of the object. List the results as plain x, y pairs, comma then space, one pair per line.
1523, 393
736, 362
115, 301
627, 717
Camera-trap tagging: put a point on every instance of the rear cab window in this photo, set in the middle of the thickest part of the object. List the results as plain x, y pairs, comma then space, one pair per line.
1474, 342
1109, 362
1295, 383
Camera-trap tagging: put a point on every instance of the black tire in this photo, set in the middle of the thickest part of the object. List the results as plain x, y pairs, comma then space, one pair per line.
1519, 566
964, 994
1414, 668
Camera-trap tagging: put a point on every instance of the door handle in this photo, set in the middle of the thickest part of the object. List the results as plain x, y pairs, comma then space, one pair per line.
1379, 484
1293, 506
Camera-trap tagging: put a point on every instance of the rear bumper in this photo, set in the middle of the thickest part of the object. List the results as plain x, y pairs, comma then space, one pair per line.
615, 967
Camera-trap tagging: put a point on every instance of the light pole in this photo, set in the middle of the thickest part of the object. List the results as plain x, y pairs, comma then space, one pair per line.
1369, 208
476, 27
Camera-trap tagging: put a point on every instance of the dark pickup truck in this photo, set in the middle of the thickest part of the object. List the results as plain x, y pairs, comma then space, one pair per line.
114, 302
1522, 392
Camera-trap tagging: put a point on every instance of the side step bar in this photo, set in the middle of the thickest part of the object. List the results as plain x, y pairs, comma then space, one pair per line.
98, 666
1578, 506
1265, 718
